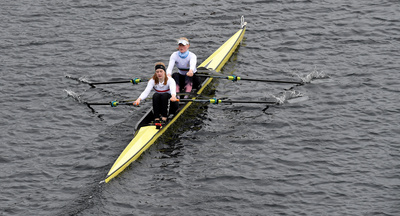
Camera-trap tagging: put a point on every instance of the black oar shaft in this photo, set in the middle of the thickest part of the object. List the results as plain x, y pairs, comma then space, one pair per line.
94, 104
236, 78
113, 82
273, 81
112, 103
246, 101
217, 101
133, 81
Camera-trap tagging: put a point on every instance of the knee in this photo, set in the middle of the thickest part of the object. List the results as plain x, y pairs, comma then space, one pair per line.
166, 97
156, 96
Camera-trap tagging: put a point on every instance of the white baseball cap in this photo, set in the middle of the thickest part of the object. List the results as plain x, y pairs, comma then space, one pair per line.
183, 42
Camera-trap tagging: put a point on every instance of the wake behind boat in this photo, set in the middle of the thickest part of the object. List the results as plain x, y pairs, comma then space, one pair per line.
147, 133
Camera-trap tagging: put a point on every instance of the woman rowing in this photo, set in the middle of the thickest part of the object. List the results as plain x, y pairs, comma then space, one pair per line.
165, 89
186, 63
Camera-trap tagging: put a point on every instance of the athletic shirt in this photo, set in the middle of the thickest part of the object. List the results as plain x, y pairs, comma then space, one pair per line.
160, 88
184, 65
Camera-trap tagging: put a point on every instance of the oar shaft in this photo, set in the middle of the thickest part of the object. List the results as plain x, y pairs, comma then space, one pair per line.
193, 100
94, 104
127, 103
246, 101
212, 76
236, 78
217, 101
273, 81
133, 81
113, 82
112, 103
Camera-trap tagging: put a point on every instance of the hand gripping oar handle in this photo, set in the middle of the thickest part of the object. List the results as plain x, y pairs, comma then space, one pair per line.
133, 81
236, 78
218, 101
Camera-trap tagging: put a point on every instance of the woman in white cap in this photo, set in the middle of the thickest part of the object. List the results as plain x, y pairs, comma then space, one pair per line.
186, 62
165, 89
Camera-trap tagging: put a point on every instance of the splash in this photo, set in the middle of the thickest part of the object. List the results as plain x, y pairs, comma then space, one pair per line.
74, 95
315, 74
293, 94
287, 95
279, 99
79, 79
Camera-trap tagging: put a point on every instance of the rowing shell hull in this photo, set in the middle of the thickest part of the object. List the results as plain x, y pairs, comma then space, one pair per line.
133, 150
145, 136
218, 59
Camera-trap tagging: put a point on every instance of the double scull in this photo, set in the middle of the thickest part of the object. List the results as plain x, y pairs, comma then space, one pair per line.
146, 133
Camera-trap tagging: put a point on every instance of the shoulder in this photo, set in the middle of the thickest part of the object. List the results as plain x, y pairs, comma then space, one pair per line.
170, 81
174, 54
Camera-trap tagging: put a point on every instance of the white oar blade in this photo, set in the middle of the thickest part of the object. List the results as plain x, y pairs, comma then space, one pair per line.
297, 99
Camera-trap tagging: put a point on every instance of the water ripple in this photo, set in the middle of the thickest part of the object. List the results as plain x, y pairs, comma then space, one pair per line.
334, 151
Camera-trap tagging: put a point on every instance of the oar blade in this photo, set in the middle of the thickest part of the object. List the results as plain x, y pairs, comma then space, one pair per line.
297, 99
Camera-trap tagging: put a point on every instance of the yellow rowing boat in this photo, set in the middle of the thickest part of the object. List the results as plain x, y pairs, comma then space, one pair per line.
146, 134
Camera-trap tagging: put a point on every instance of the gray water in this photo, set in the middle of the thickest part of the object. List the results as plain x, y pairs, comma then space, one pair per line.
336, 153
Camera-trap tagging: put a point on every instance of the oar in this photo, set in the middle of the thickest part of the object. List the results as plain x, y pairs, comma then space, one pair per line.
133, 81
236, 78
112, 103
218, 101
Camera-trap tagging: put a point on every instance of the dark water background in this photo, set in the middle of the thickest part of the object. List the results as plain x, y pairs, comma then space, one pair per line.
336, 153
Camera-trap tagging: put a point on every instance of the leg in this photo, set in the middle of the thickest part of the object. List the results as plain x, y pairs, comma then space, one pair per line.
173, 107
182, 82
164, 98
176, 77
156, 105
196, 82
188, 84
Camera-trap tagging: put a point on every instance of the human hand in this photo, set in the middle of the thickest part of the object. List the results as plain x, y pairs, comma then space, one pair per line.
137, 102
